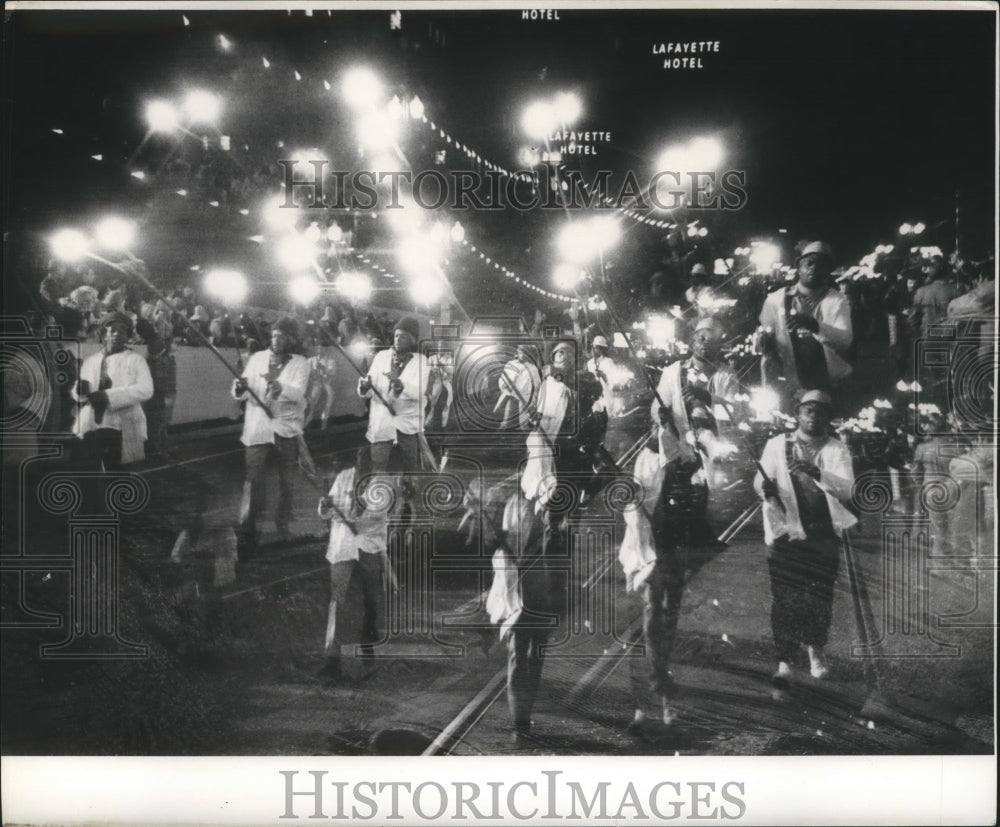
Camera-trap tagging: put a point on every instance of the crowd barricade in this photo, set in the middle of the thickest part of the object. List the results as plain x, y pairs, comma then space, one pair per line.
203, 383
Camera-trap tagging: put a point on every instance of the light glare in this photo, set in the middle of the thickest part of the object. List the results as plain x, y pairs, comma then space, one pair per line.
304, 289
361, 88
377, 131
202, 107
356, 286
69, 245
227, 285
296, 253
278, 215
540, 120
705, 154
566, 276
162, 116
568, 107
419, 254
764, 402
764, 256
660, 331
427, 289
115, 233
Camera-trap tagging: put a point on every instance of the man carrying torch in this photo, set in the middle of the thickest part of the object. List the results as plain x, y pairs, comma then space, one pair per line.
806, 478
277, 377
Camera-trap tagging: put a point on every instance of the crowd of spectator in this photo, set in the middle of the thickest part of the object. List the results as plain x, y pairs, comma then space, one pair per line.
77, 298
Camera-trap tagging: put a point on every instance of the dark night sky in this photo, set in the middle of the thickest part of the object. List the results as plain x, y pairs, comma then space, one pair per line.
846, 123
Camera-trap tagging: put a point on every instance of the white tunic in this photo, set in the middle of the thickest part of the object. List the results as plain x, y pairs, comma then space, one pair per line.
370, 526
131, 385
836, 480
637, 554
835, 332
408, 407
288, 411
539, 477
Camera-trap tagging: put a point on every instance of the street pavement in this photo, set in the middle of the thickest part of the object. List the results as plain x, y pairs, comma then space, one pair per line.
234, 649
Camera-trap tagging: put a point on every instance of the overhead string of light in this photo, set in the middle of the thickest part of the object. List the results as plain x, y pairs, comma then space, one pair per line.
369, 262
418, 114
511, 274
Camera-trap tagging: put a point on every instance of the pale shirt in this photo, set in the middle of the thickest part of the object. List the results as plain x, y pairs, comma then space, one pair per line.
836, 480
408, 406
503, 603
930, 305
835, 332
131, 385
594, 364
539, 477
288, 411
721, 385
637, 553
370, 526
521, 381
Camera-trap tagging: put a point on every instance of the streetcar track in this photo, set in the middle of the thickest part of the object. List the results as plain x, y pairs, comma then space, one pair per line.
274, 583
457, 731
475, 710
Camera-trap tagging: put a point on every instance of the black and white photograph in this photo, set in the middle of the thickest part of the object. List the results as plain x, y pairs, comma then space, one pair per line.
599, 400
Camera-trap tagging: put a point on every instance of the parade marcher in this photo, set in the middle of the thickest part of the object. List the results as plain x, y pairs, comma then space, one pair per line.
397, 382
809, 339
928, 311
931, 459
898, 301
700, 295
112, 386
321, 393
698, 384
327, 326
279, 378
357, 551
650, 561
519, 383
163, 319
159, 407
599, 364
930, 302
809, 478
672, 517
555, 457
441, 392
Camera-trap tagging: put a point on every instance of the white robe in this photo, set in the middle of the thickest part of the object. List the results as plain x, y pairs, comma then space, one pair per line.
408, 407
370, 526
836, 480
637, 553
131, 385
835, 333
539, 478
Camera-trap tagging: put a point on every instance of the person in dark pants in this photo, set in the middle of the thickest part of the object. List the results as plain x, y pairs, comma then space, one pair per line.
675, 510
561, 470
112, 386
159, 408
808, 340
809, 475
398, 376
278, 377
360, 569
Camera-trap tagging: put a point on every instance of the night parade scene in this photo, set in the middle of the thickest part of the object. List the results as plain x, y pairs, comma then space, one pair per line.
480, 381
